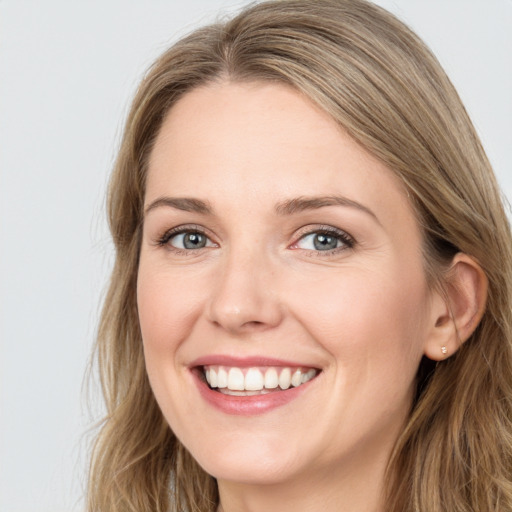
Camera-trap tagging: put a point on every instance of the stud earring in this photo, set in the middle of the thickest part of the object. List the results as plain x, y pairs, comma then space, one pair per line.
444, 350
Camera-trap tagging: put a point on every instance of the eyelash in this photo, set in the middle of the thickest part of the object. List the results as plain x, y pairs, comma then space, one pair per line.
347, 241
164, 240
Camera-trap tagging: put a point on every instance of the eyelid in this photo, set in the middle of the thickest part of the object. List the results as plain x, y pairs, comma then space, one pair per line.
347, 239
163, 240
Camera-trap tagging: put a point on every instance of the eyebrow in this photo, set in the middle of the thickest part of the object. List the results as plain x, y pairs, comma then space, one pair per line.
301, 204
288, 207
186, 204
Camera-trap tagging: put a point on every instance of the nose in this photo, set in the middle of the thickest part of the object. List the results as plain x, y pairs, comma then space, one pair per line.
245, 297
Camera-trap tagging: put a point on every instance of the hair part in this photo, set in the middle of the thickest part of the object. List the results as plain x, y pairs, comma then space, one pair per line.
378, 80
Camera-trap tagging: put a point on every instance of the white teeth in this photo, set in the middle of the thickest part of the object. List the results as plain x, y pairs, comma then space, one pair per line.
308, 376
271, 379
222, 378
213, 378
285, 378
244, 393
236, 379
254, 381
296, 378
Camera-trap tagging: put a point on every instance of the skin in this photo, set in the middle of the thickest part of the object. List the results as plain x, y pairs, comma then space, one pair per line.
362, 314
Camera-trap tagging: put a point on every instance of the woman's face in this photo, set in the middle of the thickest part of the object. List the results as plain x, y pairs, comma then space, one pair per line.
283, 262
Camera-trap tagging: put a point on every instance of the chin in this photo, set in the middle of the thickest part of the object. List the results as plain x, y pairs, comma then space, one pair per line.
257, 463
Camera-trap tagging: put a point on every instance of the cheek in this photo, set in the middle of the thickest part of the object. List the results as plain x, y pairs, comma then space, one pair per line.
366, 315
168, 311
168, 306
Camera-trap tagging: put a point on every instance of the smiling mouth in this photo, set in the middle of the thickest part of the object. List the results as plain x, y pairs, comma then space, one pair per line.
252, 381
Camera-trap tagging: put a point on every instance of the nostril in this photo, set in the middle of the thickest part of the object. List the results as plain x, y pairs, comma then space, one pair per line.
254, 324
251, 325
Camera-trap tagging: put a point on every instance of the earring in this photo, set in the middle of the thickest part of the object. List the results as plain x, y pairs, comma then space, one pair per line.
444, 350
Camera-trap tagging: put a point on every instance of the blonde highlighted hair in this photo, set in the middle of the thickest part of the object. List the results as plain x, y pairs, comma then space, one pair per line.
384, 87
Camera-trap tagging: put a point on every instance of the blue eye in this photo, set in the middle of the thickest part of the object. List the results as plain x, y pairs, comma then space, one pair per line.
324, 241
189, 240
186, 240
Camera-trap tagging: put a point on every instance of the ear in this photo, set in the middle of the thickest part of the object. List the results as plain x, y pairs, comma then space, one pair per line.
458, 309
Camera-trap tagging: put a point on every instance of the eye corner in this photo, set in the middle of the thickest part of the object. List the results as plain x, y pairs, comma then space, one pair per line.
322, 240
188, 239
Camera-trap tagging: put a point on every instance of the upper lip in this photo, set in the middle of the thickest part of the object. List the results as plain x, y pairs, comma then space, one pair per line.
247, 362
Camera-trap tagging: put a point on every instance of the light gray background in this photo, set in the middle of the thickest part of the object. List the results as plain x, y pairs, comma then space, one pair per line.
67, 71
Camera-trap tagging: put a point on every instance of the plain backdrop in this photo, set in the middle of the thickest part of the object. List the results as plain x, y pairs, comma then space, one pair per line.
67, 71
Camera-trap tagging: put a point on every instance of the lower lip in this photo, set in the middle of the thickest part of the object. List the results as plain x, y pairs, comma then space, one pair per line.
248, 405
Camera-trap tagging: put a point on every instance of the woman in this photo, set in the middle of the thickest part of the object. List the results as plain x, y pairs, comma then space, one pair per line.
310, 306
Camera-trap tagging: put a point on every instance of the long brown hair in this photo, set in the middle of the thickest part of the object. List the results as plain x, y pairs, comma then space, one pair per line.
385, 88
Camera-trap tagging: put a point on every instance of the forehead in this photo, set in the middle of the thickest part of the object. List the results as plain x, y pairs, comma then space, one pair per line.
264, 142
